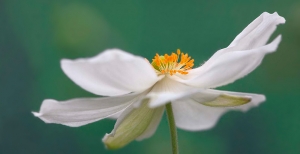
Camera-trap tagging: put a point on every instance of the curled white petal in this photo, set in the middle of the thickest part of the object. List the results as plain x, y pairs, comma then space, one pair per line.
229, 67
191, 115
112, 72
256, 34
78, 112
240, 58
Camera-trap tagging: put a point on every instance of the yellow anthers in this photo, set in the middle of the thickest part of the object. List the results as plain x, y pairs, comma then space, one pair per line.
178, 51
170, 64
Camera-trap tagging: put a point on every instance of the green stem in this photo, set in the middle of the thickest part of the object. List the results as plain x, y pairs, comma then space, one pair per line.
173, 130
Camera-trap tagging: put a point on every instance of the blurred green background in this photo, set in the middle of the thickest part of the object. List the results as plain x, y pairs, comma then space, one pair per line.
36, 34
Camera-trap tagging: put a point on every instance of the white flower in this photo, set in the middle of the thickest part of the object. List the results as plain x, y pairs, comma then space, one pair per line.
138, 90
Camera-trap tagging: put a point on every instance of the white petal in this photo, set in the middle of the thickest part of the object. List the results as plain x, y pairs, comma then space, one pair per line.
116, 116
256, 34
78, 112
167, 90
133, 123
229, 67
112, 72
241, 57
191, 115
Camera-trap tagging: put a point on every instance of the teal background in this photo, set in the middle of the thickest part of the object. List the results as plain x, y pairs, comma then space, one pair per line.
36, 34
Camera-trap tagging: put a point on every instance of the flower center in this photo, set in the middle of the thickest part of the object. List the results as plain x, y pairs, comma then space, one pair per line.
170, 64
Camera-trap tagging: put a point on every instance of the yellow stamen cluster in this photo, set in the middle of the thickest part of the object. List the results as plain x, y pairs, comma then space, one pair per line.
169, 64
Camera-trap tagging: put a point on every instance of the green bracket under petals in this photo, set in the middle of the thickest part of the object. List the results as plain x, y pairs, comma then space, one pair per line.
228, 101
134, 125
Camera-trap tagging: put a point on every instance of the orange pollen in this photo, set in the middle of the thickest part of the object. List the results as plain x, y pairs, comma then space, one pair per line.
170, 64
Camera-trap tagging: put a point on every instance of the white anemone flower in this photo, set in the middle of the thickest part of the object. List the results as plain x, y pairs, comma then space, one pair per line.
138, 90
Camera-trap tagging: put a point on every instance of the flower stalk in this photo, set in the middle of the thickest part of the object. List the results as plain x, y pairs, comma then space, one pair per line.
172, 127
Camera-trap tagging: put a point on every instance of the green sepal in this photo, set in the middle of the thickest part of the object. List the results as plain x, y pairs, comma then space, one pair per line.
228, 101
134, 125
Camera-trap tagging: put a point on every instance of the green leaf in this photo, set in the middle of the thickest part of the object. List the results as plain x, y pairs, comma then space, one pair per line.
228, 101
